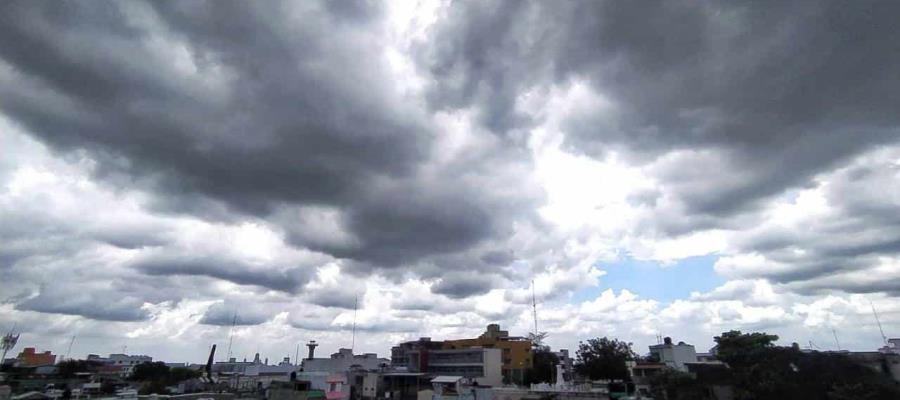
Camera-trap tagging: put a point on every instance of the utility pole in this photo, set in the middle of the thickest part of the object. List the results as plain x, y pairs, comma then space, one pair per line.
534, 309
353, 334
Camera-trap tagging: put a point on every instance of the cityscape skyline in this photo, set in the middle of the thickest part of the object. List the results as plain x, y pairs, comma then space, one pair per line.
305, 170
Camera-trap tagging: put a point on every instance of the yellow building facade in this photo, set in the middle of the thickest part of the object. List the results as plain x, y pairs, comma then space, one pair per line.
517, 356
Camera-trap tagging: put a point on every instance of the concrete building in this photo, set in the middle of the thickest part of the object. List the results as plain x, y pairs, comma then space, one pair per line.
516, 354
337, 387
892, 346
293, 390
391, 384
478, 364
885, 363
29, 357
400, 354
125, 363
568, 364
343, 360
641, 374
674, 355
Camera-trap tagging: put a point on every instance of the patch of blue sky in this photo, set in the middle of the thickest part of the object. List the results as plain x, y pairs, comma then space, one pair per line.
653, 280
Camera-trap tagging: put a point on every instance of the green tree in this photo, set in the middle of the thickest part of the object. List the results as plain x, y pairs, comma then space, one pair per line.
603, 358
107, 387
150, 371
762, 371
672, 384
153, 387
543, 367
735, 347
181, 374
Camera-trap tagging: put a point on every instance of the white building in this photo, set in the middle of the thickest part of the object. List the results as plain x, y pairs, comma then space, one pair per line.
126, 361
343, 360
892, 346
567, 363
674, 355
482, 365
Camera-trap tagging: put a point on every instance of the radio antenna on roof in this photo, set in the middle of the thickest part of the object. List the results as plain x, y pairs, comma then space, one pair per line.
880, 329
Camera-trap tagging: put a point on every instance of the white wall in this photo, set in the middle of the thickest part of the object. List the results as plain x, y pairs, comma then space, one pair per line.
493, 363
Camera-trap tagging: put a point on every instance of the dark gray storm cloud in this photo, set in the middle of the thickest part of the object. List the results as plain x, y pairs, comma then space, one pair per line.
462, 285
857, 235
781, 90
287, 279
107, 305
270, 107
289, 116
337, 297
238, 313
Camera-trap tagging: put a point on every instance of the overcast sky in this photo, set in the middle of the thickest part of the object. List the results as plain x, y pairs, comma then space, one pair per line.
673, 168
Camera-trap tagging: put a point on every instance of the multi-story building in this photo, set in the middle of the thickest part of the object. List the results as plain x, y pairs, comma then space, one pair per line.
343, 360
400, 354
125, 363
674, 355
29, 357
516, 351
482, 365
568, 365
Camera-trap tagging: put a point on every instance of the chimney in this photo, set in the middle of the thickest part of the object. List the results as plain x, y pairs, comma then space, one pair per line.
312, 349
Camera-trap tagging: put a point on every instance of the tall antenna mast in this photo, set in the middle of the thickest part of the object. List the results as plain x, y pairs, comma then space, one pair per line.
8, 342
534, 308
353, 334
297, 355
883, 337
834, 332
69, 350
231, 336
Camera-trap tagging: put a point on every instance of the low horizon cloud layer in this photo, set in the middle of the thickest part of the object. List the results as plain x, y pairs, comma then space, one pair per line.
169, 170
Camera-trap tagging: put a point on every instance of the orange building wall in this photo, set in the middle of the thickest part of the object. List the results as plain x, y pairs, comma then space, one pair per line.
29, 358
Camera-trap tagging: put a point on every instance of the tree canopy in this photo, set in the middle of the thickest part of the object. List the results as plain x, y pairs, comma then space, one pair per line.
760, 370
603, 358
543, 367
736, 347
68, 368
150, 371
158, 374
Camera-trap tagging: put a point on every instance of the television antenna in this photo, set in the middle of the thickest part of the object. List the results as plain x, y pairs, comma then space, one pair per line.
536, 337
534, 308
69, 350
231, 336
877, 320
353, 330
8, 342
